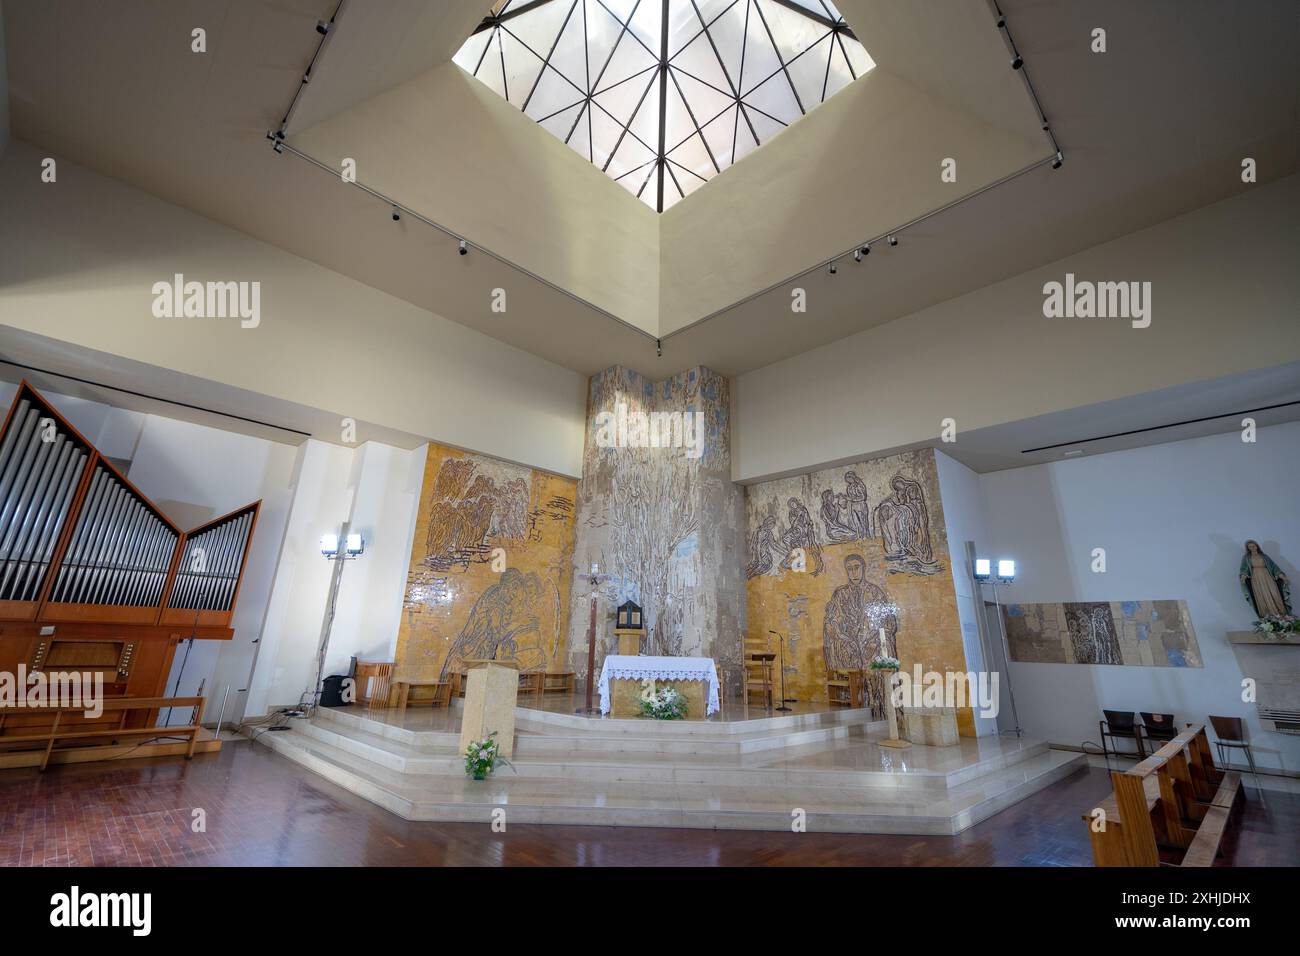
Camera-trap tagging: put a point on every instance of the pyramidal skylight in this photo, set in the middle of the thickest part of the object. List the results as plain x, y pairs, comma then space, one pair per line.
663, 95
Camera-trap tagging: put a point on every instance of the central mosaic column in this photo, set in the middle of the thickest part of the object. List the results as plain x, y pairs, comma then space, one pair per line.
657, 511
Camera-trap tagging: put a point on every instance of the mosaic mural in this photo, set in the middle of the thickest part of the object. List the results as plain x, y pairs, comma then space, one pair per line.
849, 563
661, 518
1137, 633
491, 565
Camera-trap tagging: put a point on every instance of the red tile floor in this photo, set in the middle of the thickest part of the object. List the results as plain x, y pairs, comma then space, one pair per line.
263, 810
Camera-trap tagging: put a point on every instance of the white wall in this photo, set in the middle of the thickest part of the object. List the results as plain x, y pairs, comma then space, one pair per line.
4, 87
990, 356
1173, 519
963, 517
79, 257
376, 489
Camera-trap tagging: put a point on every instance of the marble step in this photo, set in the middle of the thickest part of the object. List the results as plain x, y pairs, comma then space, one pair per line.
844, 762
677, 803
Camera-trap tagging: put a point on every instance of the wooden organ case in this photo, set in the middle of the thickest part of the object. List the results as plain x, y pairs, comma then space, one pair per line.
95, 579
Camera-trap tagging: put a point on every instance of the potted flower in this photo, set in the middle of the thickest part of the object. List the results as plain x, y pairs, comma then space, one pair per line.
482, 757
665, 704
884, 663
1278, 624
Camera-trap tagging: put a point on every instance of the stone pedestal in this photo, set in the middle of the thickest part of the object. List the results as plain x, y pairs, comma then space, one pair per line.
626, 696
932, 726
629, 640
490, 693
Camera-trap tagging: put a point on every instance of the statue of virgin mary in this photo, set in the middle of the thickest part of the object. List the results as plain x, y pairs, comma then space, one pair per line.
1262, 581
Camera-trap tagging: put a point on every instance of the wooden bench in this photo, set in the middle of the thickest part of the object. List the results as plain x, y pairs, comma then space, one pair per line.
1176, 799
442, 690
94, 730
557, 683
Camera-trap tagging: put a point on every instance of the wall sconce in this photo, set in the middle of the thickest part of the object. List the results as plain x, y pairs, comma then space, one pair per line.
352, 545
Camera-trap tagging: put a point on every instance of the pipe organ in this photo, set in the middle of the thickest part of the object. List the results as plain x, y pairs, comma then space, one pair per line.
94, 578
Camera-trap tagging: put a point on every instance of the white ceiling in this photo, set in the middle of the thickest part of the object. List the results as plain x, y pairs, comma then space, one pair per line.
1151, 129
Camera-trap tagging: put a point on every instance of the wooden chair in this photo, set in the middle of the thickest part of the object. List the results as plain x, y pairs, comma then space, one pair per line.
1176, 799
373, 681
1231, 734
839, 689
1121, 725
759, 671
1158, 727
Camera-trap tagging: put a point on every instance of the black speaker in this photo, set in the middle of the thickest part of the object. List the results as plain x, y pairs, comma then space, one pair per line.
331, 694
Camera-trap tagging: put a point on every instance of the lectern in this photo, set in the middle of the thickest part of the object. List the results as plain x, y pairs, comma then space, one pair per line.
490, 693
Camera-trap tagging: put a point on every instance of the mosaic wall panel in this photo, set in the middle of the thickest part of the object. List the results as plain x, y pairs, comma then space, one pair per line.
458, 604
875, 558
1137, 633
665, 524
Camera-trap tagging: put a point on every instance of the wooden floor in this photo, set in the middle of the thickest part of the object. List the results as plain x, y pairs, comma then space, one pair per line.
263, 810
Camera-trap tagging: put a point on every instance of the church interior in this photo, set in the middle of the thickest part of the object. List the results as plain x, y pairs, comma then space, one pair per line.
636, 433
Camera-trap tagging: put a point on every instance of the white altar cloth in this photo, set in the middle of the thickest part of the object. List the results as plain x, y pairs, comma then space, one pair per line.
622, 666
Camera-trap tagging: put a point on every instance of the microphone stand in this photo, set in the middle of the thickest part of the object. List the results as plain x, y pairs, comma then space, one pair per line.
784, 700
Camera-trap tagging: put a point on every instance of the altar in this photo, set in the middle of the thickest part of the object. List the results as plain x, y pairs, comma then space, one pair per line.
622, 676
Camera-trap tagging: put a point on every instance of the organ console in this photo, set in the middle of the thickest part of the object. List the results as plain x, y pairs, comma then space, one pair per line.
94, 578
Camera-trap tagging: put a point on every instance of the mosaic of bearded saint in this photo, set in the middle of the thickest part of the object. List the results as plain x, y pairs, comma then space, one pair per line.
903, 523
855, 615
801, 533
502, 625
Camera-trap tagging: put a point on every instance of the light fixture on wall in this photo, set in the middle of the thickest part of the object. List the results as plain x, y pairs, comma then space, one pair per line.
982, 573
340, 547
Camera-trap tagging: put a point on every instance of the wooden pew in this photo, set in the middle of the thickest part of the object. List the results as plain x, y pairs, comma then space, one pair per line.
1176, 799
93, 730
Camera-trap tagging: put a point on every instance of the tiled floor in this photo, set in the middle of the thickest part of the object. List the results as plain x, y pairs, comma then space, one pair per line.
263, 810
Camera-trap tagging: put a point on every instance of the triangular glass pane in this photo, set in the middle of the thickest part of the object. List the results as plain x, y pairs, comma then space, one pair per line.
553, 93
686, 181
839, 76
808, 71
764, 126
605, 134
745, 143
560, 124
622, 100
760, 58
538, 28
629, 58
629, 156
492, 73
775, 99
522, 69
793, 32
719, 135
470, 55
622, 9
569, 57
645, 25
728, 35
858, 56
678, 124
693, 156
646, 122
704, 101
603, 32
697, 59
580, 140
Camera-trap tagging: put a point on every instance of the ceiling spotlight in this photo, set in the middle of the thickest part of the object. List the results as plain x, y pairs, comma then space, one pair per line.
1017, 62
464, 248
1056, 163
1002, 23
831, 269
857, 255
278, 146
397, 216
322, 27
893, 240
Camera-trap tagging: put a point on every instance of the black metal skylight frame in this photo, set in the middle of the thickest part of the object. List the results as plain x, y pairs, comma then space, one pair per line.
662, 71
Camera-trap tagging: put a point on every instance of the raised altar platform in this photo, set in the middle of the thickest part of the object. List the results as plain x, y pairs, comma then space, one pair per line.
724, 774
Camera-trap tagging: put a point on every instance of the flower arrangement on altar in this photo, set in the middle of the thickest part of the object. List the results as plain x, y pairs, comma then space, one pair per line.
884, 663
1278, 624
482, 757
665, 704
